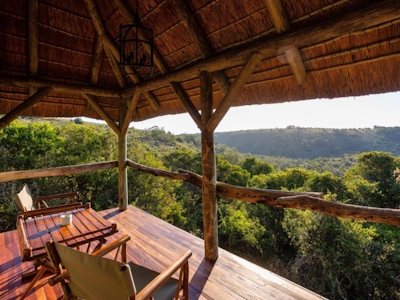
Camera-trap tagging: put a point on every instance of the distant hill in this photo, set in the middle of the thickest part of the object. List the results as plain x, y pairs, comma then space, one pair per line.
311, 143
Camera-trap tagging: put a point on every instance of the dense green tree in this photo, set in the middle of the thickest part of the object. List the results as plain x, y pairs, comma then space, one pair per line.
291, 179
256, 167
331, 255
238, 231
25, 147
232, 174
325, 183
372, 181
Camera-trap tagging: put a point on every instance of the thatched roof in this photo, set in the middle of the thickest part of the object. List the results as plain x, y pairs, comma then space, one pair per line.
310, 49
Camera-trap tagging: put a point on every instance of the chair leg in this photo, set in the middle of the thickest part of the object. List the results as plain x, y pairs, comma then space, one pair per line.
32, 283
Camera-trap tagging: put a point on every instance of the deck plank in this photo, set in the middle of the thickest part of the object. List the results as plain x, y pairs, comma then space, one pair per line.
155, 244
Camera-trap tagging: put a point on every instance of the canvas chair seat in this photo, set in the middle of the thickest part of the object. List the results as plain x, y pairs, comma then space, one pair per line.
24, 199
93, 277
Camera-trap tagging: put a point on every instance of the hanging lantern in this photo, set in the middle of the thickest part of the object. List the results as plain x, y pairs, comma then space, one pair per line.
136, 50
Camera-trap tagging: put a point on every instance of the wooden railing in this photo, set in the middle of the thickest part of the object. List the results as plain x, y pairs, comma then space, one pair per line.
280, 199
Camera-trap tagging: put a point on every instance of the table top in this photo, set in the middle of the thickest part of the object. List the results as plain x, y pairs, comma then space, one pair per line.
37, 227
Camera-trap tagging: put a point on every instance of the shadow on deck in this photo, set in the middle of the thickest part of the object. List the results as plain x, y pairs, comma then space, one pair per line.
155, 244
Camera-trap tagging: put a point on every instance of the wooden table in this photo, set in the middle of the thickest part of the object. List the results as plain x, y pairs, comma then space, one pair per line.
37, 227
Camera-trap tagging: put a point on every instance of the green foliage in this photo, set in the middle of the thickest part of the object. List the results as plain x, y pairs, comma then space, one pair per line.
291, 179
31, 146
153, 194
343, 259
372, 181
325, 183
256, 167
238, 230
228, 173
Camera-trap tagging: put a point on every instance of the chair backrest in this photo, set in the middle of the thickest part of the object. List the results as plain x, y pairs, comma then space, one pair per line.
24, 199
93, 277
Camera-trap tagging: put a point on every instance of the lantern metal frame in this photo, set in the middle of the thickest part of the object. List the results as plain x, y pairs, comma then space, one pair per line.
133, 50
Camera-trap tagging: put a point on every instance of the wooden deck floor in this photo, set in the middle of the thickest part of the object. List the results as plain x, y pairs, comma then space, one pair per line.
155, 244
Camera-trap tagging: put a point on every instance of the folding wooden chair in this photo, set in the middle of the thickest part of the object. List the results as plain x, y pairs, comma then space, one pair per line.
92, 277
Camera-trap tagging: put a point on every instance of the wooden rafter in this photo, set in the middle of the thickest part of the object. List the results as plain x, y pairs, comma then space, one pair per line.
20, 109
369, 16
281, 23
102, 113
96, 61
33, 43
233, 91
116, 68
192, 110
200, 40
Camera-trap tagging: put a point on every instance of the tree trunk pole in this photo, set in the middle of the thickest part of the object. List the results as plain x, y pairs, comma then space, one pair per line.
122, 157
209, 186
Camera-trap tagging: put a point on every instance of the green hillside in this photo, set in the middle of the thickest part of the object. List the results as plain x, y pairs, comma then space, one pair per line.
310, 143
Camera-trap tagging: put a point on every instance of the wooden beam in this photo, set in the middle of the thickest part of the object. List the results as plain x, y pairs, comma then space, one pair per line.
131, 111
278, 15
122, 157
369, 16
33, 43
199, 39
187, 103
233, 91
58, 86
116, 68
59, 171
209, 170
110, 44
337, 209
96, 61
20, 109
281, 23
296, 64
102, 113
158, 172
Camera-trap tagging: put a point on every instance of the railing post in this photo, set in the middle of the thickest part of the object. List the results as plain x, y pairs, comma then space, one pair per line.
122, 157
209, 187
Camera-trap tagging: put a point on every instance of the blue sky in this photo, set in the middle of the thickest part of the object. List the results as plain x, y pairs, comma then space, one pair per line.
354, 112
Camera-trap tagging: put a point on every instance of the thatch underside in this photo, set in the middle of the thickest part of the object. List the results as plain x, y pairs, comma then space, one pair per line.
357, 63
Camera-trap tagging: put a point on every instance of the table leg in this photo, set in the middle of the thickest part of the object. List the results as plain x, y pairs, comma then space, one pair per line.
100, 244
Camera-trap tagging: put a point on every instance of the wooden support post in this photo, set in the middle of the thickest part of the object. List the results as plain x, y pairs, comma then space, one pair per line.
209, 186
122, 156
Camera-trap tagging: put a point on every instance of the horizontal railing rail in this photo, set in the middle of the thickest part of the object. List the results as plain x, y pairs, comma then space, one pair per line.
58, 171
281, 199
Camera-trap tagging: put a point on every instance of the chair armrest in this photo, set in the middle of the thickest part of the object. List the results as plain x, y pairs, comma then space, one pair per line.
107, 249
58, 278
157, 282
58, 196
